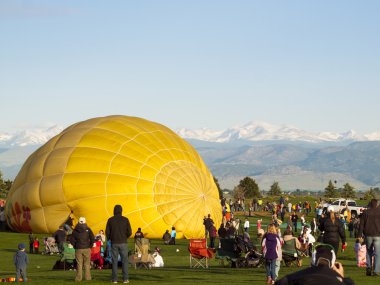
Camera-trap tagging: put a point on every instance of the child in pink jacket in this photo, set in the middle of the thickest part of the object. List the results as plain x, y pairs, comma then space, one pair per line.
360, 251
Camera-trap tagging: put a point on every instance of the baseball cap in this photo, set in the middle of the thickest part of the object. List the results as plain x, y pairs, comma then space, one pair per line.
21, 246
82, 220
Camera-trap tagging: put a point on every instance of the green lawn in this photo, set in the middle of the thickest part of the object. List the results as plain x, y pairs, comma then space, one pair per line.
176, 270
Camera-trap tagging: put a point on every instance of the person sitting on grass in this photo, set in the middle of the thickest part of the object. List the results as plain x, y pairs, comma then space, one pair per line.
158, 260
166, 237
307, 240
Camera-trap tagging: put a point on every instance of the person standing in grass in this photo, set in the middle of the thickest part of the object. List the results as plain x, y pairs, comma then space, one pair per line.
294, 218
139, 234
118, 230
207, 223
333, 230
36, 245
31, 242
213, 234
259, 221
173, 236
370, 228
60, 238
82, 239
271, 246
21, 261
246, 225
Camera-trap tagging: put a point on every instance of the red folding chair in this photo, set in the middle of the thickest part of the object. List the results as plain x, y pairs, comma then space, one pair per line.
199, 253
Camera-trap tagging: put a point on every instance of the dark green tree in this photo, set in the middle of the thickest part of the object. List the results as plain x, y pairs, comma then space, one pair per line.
5, 186
348, 191
370, 194
218, 186
239, 193
330, 191
250, 188
275, 189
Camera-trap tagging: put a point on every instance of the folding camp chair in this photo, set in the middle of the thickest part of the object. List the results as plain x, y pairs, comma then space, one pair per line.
290, 253
142, 257
199, 253
228, 251
68, 256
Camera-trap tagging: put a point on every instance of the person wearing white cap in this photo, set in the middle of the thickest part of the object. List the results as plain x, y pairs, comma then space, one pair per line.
82, 239
333, 230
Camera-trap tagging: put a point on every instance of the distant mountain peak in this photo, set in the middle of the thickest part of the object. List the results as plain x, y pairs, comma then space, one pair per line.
29, 137
279, 154
262, 131
252, 131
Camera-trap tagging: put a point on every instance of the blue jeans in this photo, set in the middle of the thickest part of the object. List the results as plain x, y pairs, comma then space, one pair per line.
295, 226
270, 267
373, 249
122, 249
277, 268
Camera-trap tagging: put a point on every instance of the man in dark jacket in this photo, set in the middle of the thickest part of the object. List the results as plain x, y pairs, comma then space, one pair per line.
294, 219
82, 240
323, 270
370, 227
118, 230
60, 238
207, 222
139, 234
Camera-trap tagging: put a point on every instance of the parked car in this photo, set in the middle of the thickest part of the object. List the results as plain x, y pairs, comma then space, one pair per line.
341, 203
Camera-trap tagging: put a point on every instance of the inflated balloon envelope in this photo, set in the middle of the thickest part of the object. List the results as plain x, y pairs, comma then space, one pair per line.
157, 177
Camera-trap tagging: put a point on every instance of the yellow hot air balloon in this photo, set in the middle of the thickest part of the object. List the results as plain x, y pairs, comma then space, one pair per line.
156, 176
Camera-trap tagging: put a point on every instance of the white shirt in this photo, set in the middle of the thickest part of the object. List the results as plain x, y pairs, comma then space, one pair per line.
158, 260
246, 224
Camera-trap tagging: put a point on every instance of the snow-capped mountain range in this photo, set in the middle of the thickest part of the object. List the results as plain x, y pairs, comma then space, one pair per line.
296, 158
253, 131
29, 137
261, 131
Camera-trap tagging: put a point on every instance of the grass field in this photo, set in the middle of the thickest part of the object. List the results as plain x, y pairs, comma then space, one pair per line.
176, 270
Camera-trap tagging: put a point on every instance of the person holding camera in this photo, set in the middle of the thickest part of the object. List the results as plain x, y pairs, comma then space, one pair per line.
323, 270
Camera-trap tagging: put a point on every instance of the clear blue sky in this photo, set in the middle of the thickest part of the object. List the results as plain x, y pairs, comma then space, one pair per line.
214, 64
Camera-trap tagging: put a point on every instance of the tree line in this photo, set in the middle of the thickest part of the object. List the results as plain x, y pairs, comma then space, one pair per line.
5, 186
248, 188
